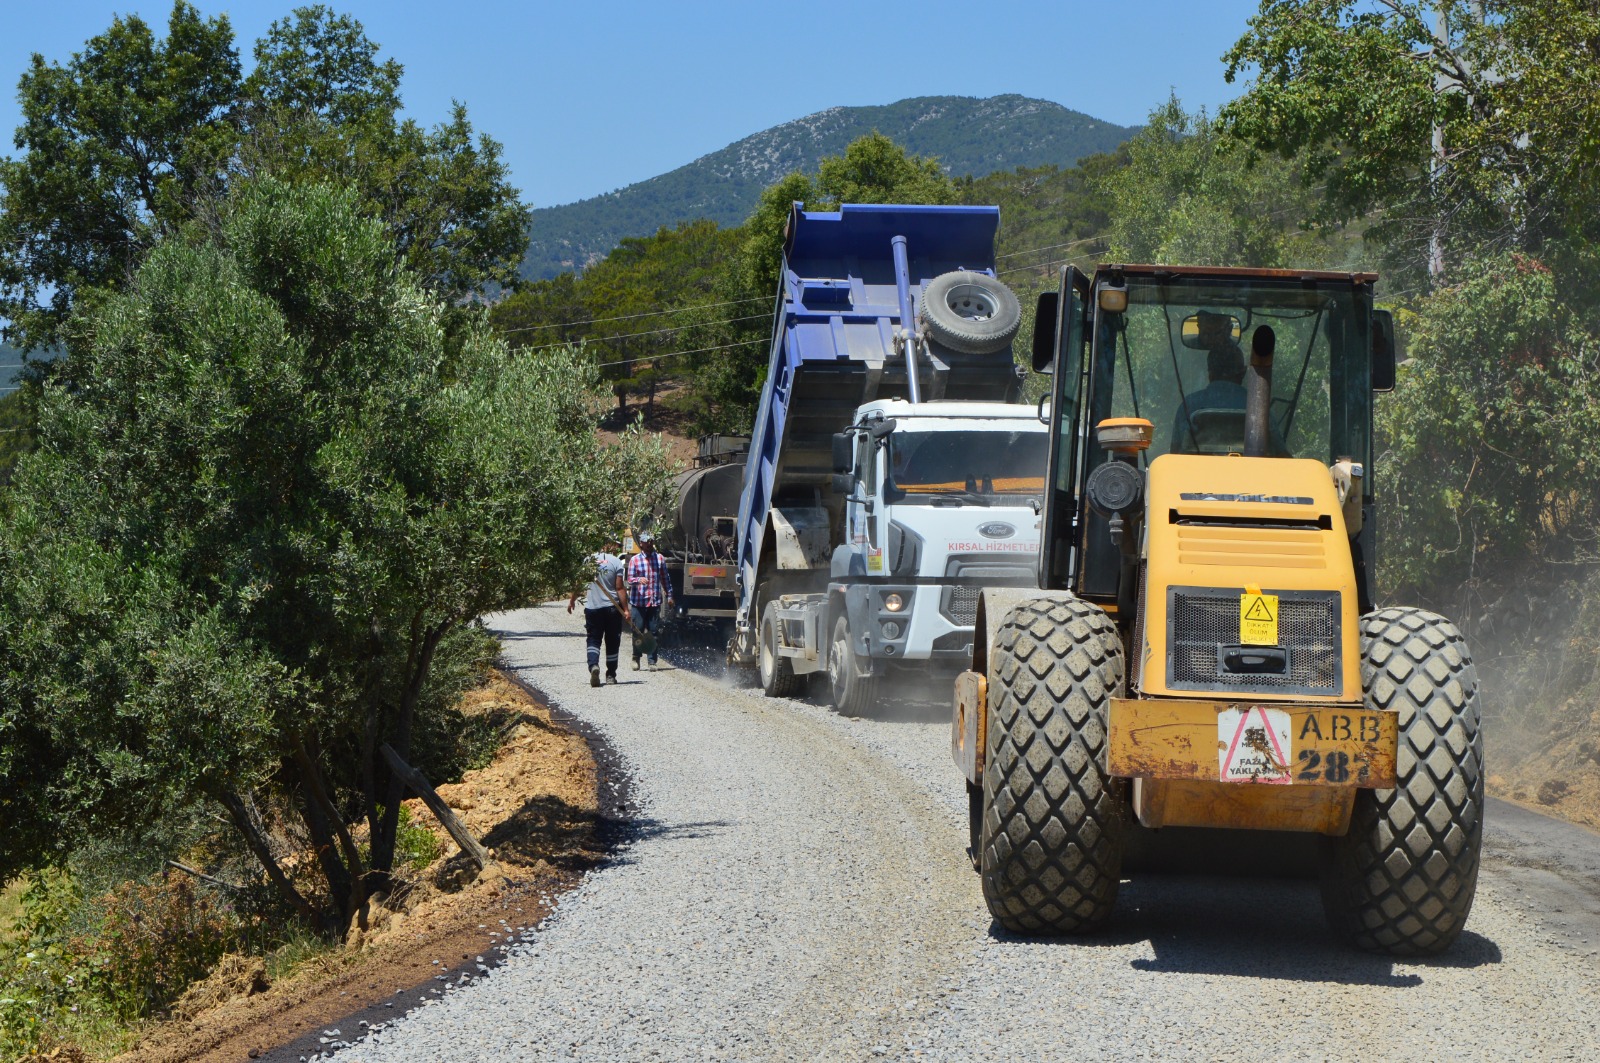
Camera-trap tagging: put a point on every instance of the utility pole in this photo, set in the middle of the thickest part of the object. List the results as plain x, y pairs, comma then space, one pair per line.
1441, 85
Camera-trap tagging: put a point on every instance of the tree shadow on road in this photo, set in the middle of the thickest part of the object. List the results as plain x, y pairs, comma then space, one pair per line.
549, 829
1252, 928
532, 636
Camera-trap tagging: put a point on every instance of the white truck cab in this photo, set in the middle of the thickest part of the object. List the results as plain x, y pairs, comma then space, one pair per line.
943, 503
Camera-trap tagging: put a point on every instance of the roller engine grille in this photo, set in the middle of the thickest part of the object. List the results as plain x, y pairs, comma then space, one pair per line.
1200, 621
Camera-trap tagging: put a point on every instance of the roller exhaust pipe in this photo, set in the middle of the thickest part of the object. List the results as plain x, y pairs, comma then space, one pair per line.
1258, 394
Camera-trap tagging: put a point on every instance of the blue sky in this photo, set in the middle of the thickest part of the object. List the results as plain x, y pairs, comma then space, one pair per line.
588, 97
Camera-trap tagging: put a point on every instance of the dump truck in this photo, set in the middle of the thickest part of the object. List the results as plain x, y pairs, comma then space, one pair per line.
892, 470
1202, 652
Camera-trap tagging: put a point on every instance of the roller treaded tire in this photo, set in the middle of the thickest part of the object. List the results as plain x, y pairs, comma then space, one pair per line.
1402, 881
777, 674
852, 692
1053, 823
970, 312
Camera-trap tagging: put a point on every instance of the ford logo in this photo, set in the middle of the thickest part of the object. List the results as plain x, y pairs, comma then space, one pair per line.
996, 529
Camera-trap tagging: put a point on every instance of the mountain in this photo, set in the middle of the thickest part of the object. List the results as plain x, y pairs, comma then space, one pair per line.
968, 135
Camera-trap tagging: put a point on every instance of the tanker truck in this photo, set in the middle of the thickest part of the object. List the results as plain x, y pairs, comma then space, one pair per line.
892, 471
698, 536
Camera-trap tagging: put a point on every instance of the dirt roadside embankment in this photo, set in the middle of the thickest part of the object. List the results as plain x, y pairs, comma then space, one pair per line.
535, 807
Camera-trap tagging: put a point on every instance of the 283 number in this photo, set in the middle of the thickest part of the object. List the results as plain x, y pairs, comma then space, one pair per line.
1335, 767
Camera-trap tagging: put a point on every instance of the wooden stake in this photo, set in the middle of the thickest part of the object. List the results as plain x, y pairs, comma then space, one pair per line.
452, 823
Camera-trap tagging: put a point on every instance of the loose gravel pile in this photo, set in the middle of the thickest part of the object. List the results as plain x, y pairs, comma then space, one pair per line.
797, 887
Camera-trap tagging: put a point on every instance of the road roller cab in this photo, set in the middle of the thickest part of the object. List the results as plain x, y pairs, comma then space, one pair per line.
1203, 650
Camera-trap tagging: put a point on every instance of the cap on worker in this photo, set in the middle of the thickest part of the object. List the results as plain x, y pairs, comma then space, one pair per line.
647, 537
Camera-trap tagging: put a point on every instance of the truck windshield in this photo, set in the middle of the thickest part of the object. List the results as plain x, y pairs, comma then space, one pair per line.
989, 462
1176, 357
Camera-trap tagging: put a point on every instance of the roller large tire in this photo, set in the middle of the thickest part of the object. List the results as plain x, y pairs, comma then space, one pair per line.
970, 312
1053, 822
1402, 881
777, 674
852, 692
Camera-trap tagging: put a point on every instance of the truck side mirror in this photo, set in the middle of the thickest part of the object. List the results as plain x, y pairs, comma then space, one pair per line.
843, 452
1045, 316
843, 483
1385, 350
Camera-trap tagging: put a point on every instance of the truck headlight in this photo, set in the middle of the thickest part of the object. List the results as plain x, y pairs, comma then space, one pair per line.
893, 602
891, 630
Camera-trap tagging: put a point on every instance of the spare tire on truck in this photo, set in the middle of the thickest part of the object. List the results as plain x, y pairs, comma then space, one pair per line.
1402, 881
970, 312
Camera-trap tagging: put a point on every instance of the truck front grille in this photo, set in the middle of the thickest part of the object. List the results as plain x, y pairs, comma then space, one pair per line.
961, 605
1203, 620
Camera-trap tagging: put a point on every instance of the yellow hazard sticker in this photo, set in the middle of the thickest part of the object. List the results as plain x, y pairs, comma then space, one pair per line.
1258, 619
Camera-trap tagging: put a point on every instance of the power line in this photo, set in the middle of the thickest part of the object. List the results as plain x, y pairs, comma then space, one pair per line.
673, 354
630, 317
731, 302
654, 332
1056, 260
1051, 247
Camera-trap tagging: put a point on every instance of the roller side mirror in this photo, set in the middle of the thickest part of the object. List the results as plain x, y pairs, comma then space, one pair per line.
1045, 316
1385, 350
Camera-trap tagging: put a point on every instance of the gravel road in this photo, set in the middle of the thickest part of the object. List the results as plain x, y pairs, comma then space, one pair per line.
798, 888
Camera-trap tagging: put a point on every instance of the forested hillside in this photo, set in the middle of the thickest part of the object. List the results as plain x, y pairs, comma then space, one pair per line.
968, 136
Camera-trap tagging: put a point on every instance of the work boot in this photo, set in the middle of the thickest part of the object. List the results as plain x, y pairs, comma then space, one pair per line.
636, 664
611, 678
594, 677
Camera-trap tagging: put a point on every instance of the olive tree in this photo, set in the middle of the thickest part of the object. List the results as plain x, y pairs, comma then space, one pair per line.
271, 496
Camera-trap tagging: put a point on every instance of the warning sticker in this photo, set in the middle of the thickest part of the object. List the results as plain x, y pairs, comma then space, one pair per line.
1258, 619
1254, 744
875, 566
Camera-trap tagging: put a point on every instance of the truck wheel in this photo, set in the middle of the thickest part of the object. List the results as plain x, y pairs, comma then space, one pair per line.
970, 312
852, 692
777, 674
1402, 880
1053, 821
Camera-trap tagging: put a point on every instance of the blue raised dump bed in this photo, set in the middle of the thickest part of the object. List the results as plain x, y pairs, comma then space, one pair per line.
833, 345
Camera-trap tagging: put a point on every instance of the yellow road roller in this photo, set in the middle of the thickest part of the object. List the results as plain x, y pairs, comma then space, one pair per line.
1203, 653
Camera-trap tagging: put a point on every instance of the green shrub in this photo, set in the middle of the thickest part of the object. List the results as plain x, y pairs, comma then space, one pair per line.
415, 845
